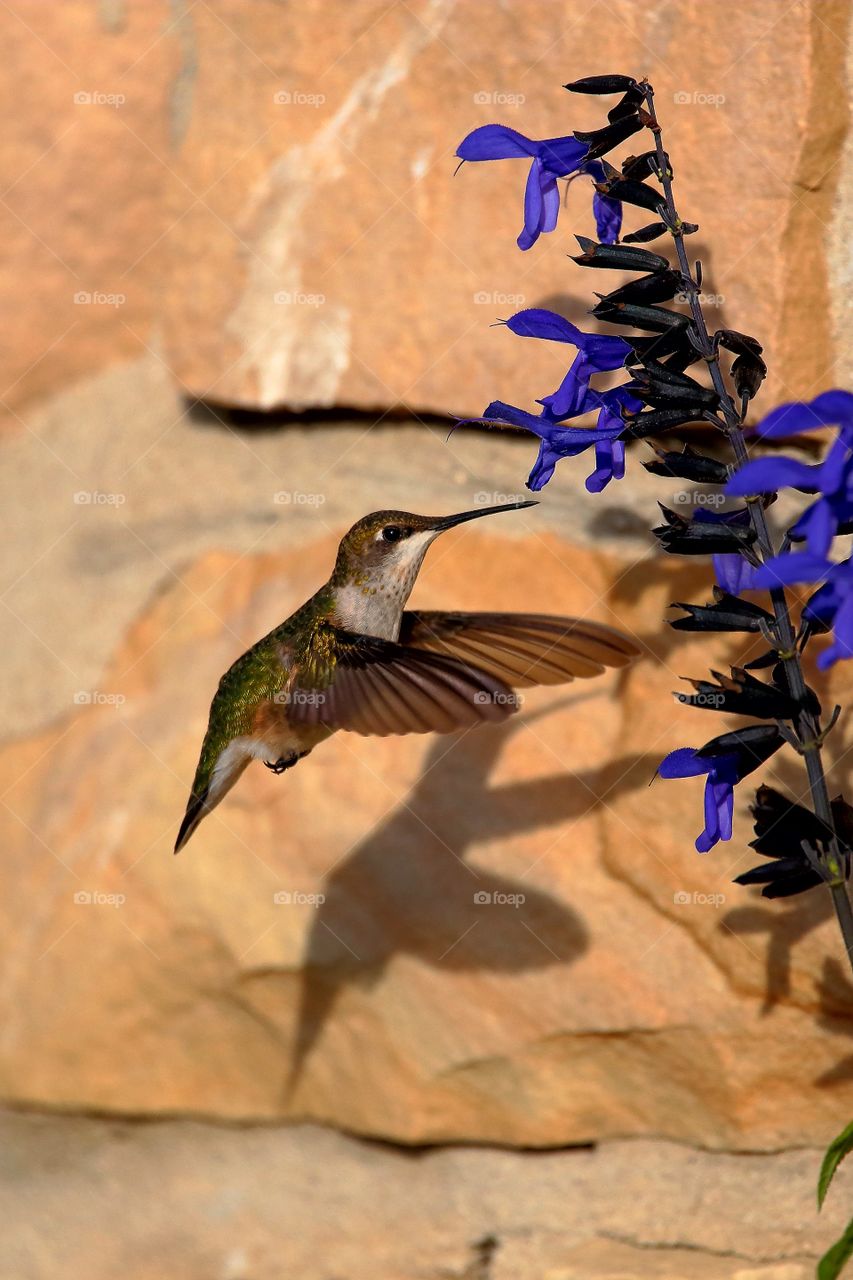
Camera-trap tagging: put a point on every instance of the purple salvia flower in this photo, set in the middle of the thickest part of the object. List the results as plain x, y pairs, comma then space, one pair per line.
557, 441
734, 573
724, 761
551, 158
721, 777
831, 480
830, 408
597, 353
831, 607
607, 212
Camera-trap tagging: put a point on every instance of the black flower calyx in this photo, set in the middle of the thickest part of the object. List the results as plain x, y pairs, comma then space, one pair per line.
628, 104
741, 694
748, 373
656, 319
790, 836
644, 166
676, 342
652, 231
631, 192
656, 422
660, 286
617, 257
612, 135
696, 537
740, 344
659, 385
751, 746
688, 464
727, 613
602, 84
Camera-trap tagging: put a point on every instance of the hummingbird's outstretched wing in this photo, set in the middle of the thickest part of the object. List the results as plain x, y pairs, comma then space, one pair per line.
374, 686
521, 649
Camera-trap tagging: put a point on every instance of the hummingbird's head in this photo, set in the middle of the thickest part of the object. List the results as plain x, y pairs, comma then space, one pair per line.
384, 551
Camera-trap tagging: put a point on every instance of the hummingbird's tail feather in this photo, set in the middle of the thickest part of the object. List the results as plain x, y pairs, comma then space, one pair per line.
205, 797
193, 816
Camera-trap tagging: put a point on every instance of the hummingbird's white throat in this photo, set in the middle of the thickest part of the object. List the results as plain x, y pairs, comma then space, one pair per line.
374, 604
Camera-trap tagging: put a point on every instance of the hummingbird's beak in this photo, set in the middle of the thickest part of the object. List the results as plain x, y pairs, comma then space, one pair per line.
447, 522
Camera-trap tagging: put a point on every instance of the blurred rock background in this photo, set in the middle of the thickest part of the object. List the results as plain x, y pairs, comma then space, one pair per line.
244, 294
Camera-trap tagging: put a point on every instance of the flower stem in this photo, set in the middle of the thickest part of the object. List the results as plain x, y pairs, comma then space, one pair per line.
808, 727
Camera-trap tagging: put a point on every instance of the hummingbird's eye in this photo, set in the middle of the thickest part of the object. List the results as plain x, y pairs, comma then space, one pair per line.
393, 533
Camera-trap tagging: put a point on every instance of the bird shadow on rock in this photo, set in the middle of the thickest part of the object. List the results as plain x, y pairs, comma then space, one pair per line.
407, 889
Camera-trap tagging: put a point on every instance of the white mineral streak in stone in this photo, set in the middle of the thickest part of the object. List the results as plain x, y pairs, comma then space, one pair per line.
296, 342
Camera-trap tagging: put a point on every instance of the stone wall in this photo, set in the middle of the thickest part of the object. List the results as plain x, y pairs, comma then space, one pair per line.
272, 193
257, 205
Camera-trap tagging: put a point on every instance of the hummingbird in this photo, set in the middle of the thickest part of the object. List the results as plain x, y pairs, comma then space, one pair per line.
354, 658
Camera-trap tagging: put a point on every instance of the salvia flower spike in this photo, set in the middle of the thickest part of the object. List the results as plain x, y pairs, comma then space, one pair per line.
655, 331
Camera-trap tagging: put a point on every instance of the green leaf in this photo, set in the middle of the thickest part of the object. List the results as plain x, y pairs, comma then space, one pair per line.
833, 1260
836, 1151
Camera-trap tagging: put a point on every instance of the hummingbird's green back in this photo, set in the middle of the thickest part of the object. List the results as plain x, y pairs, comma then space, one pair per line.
258, 676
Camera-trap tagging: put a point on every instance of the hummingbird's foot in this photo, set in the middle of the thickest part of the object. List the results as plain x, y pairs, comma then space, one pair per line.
284, 762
